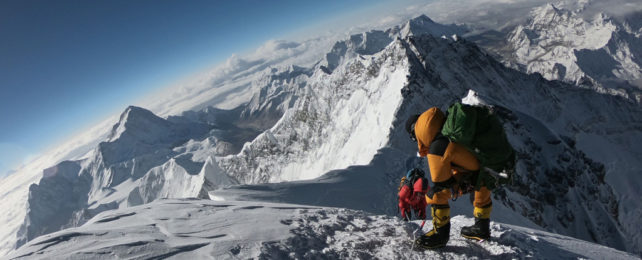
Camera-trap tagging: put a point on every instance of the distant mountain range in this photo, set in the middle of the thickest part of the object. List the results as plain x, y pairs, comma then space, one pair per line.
319, 127
600, 53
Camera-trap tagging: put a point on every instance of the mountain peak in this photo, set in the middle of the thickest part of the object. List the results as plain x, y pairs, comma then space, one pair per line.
135, 112
424, 25
133, 117
547, 8
597, 47
550, 7
134, 108
422, 19
549, 14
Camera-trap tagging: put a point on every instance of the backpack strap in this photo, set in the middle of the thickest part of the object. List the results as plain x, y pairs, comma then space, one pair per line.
402, 183
425, 184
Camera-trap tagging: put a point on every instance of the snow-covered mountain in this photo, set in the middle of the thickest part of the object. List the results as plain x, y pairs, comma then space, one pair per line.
559, 185
597, 52
204, 229
577, 171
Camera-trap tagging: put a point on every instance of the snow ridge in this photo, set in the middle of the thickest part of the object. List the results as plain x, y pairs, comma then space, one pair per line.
374, 41
206, 229
320, 133
134, 159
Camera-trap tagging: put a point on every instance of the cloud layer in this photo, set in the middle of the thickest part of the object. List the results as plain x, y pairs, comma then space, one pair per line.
232, 78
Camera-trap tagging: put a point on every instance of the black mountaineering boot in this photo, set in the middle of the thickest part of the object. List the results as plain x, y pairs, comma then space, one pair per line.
440, 233
481, 229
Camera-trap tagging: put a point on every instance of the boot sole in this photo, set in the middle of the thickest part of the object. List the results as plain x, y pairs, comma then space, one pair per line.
430, 247
475, 238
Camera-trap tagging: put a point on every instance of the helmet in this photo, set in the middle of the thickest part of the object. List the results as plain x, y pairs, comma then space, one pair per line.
416, 172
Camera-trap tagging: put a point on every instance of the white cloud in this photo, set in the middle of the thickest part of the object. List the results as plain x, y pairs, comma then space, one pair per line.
614, 8
12, 156
230, 83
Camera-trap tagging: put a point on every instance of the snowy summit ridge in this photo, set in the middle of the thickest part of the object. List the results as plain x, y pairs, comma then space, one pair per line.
207, 229
326, 127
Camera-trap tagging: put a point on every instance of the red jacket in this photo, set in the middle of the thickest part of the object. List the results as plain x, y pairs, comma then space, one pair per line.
413, 199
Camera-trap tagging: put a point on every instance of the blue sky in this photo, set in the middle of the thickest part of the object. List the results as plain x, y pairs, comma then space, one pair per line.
65, 65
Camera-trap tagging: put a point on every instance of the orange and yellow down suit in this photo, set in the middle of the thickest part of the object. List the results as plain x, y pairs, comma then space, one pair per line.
442, 155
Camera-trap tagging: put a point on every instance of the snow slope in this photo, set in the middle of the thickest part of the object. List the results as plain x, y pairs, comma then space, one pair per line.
371, 188
191, 228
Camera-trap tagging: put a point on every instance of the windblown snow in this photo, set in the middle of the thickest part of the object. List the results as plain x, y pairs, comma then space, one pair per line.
205, 229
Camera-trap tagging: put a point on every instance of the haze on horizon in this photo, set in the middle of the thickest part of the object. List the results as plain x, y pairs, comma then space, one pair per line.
70, 64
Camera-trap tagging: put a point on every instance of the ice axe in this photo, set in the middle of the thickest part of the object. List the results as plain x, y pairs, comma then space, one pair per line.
414, 234
422, 225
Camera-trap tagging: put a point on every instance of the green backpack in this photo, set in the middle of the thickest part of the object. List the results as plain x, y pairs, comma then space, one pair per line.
480, 131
